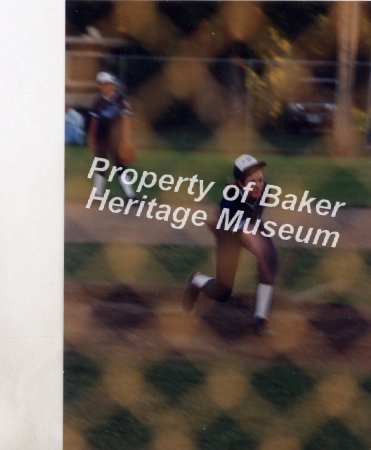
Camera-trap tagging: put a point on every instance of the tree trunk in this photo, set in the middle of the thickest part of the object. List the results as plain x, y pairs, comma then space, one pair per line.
348, 14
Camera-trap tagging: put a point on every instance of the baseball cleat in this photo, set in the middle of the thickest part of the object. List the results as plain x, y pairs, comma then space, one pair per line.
260, 327
190, 294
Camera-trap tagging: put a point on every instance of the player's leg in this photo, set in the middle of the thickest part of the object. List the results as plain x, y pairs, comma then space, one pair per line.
99, 178
264, 251
124, 182
218, 288
227, 256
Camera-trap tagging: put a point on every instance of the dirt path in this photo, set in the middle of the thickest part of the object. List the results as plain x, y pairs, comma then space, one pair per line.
93, 225
149, 319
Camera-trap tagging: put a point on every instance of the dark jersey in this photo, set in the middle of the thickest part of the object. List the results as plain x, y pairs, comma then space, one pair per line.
108, 112
251, 207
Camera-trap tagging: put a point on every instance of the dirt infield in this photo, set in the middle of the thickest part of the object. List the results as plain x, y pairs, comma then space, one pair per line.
140, 373
147, 319
93, 225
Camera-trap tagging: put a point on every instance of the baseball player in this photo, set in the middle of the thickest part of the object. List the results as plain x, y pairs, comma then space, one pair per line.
229, 243
109, 133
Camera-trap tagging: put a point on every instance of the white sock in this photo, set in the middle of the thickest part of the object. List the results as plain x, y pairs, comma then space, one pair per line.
127, 188
99, 182
263, 300
199, 280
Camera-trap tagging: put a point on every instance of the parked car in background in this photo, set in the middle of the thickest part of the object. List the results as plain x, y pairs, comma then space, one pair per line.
313, 105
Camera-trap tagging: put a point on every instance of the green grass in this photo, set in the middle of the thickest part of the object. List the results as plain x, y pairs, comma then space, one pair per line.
297, 265
121, 431
336, 179
76, 256
352, 188
288, 389
334, 436
282, 384
294, 143
179, 259
225, 434
80, 372
300, 269
366, 385
174, 377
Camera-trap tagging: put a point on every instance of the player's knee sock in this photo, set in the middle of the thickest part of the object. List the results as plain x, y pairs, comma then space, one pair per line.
99, 182
199, 280
264, 294
127, 189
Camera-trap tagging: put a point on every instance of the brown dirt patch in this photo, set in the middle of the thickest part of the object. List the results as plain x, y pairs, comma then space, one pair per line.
139, 319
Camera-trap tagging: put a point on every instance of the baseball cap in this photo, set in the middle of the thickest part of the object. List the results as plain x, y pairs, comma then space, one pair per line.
244, 163
105, 77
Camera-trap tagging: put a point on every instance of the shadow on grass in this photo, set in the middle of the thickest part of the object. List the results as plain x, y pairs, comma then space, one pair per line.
282, 383
121, 431
225, 433
80, 372
174, 377
334, 436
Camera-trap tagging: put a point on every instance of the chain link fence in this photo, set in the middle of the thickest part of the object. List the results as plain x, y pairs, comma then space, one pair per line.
226, 104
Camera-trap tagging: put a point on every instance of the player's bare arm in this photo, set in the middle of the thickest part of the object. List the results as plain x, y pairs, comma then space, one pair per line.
127, 147
92, 135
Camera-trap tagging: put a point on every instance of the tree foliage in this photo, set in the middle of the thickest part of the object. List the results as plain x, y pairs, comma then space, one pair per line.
84, 13
292, 18
186, 15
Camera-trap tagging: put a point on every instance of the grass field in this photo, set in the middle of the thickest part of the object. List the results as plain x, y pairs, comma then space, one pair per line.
301, 269
321, 275
141, 375
138, 375
337, 179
